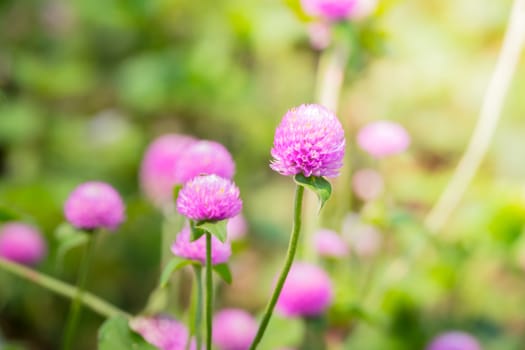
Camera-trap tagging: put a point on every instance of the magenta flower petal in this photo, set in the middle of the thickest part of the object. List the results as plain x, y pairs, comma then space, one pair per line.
454, 341
328, 243
22, 243
163, 332
234, 329
310, 141
196, 250
94, 205
329, 9
209, 198
383, 138
306, 292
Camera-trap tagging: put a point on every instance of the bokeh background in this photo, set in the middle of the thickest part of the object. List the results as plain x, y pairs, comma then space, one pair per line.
87, 84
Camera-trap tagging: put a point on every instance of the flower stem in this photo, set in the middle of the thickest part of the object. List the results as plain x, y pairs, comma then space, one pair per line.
75, 310
209, 292
197, 316
292, 247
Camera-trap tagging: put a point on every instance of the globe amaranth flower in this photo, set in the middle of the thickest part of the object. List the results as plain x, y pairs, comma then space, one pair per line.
22, 243
307, 291
159, 167
367, 184
329, 9
163, 332
310, 141
94, 205
237, 227
233, 329
209, 198
196, 250
205, 158
454, 340
328, 243
383, 138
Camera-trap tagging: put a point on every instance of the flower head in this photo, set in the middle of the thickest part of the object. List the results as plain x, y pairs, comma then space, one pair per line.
328, 243
383, 138
306, 292
329, 9
163, 332
94, 205
234, 329
196, 250
209, 198
205, 158
454, 341
310, 141
367, 184
159, 167
21, 243
237, 227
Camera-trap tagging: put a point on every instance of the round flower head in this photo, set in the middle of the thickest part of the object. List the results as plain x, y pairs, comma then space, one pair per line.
234, 329
454, 341
383, 138
159, 167
328, 243
21, 243
196, 250
237, 227
329, 9
310, 141
367, 184
205, 158
94, 205
209, 198
163, 332
306, 292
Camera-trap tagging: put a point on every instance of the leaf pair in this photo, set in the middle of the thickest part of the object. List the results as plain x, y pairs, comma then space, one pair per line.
319, 185
177, 263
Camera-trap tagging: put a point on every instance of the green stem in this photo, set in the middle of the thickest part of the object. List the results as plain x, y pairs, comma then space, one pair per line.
96, 304
292, 247
197, 317
209, 292
75, 310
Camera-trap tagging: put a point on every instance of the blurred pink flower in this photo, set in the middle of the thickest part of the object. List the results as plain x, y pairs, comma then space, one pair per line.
320, 34
364, 240
454, 340
22, 243
363, 9
329, 9
237, 227
328, 243
367, 184
196, 250
383, 138
163, 332
234, 329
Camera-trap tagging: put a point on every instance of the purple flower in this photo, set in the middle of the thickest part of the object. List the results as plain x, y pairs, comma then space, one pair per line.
209, 198
163, 332
383, 138
455, 340
205, 158
367, 184
306, 292
94, 205
328, 243
330, 9
196, 250
22, 243
159, 167
237, 227
310, 141
234, 329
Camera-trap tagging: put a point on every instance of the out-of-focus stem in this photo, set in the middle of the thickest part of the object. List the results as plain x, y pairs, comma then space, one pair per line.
198, 308
489, 116
209, 293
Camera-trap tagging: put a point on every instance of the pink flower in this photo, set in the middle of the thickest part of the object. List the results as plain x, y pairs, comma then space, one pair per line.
367, 184
163, 332
363, 9
234, 329
209, 198
22, 243
237, 227
205, 158
159, 167
364, 240
330, 9
383, 138
454, 341
306, 292
310, 141
328, 243
94, 205
196, 250
320, 35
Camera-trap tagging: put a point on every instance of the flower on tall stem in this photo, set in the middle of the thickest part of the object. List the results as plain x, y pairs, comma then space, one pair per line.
22, 243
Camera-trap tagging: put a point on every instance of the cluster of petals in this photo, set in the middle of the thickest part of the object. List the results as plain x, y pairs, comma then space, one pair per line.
383, 138
234, 329
95, 205
329, 9
310, 140
22, 243
183, 247
307, 291
330, 244
163, 332
454, 340
209, 198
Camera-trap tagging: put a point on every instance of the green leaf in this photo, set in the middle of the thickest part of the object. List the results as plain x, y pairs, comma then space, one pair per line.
68, 238
173, 265
196, 231
7, 214
223, 270
318, 184
216, 228
115, 334
176, 191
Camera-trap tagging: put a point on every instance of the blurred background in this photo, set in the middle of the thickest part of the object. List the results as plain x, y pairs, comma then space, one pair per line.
86, 85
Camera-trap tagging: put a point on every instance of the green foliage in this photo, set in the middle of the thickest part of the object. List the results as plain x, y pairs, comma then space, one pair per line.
319, 185
115, 334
